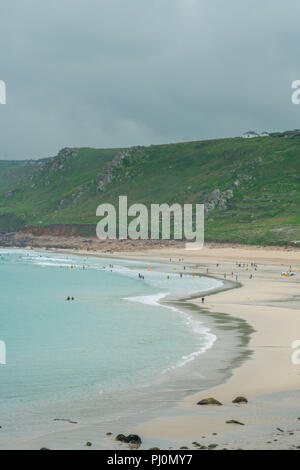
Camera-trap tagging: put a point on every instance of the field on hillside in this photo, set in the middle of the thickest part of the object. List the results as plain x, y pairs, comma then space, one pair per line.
250, 187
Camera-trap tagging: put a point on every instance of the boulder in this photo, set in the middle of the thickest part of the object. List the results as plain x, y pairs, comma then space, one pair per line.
240, 400
134, 439
209, 401
121, 438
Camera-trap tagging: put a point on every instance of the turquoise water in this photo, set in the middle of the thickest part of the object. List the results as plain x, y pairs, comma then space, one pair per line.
114, 335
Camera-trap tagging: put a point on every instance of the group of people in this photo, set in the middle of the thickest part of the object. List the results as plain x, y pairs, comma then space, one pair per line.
70, 298
246, 266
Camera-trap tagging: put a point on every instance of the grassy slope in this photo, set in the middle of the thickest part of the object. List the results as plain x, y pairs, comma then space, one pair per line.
263, 174
11, 171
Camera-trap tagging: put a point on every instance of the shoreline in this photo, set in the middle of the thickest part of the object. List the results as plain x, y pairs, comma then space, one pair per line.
269, 380
185, 307
269, 304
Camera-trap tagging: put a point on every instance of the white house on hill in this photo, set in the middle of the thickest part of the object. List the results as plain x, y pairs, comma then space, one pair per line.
250, 135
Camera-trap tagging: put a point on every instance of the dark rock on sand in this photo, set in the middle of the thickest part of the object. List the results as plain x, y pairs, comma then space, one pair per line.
240, 400
121, 438
183, 448
154, 448
209, 401
132, 439
196, 444
44, 448
233, 421
109, 433
212, 446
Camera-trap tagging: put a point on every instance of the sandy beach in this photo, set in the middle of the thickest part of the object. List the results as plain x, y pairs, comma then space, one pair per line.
269, 380
270, 304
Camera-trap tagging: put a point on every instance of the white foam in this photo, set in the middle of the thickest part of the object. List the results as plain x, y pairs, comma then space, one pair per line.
44, 263
206, 336
154, 279
147, 299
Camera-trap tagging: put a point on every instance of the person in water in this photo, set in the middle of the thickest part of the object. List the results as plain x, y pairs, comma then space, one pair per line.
68, 298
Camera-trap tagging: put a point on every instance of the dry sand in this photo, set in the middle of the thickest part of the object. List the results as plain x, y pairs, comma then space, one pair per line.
269, 303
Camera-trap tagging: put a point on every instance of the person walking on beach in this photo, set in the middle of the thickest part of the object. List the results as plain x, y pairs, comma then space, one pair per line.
202, 300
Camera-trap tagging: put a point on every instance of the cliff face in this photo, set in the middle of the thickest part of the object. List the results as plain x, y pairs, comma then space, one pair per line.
76, 242
61, 230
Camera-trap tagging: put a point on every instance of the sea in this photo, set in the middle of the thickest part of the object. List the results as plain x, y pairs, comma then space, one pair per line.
118, 351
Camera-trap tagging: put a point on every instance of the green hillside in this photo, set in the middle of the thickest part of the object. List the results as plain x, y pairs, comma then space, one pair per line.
12, 171
251, 187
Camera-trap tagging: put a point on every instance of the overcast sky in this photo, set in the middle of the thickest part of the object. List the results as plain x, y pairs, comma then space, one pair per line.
113, 73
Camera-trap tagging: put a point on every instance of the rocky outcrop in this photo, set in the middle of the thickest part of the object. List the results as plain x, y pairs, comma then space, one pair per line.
49, 240
46, 166
110, 172
217, 199
67, 152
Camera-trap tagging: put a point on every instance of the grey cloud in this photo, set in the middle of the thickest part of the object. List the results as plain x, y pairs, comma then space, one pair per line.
111, 73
